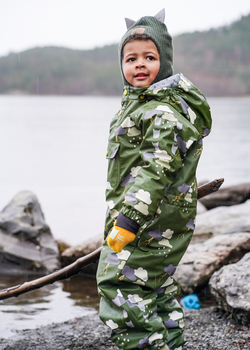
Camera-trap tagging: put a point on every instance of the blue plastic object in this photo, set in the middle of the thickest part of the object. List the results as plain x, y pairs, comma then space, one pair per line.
191, 302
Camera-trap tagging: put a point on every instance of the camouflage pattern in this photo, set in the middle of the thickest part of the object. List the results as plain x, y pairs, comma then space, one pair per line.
154, 147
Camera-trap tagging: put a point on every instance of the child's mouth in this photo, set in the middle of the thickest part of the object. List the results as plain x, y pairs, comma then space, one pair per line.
141, 76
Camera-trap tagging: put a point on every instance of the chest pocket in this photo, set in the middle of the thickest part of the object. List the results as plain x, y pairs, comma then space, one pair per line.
114, 163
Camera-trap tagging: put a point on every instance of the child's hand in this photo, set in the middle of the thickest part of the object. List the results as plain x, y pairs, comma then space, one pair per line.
119, 237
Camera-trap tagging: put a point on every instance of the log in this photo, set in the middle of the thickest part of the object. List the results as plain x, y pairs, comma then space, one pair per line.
58, 275
82, 262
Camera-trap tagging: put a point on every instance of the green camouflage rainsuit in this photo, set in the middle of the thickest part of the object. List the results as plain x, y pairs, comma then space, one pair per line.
154, 147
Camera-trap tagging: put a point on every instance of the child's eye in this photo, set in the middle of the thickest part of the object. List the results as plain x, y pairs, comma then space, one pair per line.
132, 59
150, 58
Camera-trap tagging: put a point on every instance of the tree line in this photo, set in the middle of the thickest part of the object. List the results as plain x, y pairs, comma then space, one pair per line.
217, 61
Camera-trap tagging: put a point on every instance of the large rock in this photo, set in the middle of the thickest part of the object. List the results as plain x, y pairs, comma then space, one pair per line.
201, 260
222, 220
230, 286
71, 254
227, 196
26, 243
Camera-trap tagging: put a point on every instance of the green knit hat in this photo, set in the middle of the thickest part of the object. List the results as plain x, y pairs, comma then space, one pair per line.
155, 28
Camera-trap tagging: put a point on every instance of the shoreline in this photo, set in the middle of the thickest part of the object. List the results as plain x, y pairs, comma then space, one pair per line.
205, 329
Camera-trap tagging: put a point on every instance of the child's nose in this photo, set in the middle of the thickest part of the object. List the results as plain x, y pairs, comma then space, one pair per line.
140, 65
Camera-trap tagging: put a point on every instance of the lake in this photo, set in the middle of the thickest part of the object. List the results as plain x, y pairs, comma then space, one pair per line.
55, 147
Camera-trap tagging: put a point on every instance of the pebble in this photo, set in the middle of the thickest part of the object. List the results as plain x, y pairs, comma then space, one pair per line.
205, 329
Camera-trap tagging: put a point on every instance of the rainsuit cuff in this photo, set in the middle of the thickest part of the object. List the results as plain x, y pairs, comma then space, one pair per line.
133, 215
127, 223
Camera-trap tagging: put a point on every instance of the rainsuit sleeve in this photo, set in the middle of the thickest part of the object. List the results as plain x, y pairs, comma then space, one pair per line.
167, 138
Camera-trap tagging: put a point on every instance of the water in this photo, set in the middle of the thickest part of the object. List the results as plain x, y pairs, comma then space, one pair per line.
64, 300
55, 147
227, 149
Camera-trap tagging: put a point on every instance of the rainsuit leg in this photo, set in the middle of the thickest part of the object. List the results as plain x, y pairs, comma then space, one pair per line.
138, 295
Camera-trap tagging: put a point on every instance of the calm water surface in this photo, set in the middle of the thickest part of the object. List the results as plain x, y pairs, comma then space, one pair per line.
55, 147
64, 300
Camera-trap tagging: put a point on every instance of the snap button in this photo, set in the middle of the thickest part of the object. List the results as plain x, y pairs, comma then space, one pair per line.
142, 97
121, 111
125, 92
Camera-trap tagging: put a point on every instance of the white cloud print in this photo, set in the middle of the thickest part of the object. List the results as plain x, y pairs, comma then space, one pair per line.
124, 255
163, 158
192, 115
133, 132
168, 233
164, 108
168, 282
144, 196
113, 213
142, 208
170, 117
111, 324
128, 123
109, 187
134, 298
165, 242
142, 274
134, 171
154, 337
176, 315
111, 204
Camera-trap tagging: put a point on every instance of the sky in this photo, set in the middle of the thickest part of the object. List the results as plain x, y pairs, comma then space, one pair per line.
84, 24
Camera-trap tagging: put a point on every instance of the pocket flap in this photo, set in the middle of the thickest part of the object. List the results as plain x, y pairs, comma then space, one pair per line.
113, 148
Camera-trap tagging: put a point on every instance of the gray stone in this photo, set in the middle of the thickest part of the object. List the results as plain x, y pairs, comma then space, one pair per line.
71, 254
230, 286
27, 245
84, 248
201, 260
222, 220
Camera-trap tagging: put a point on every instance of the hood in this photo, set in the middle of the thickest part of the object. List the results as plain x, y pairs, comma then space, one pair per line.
154, 28
179, 92
191, 102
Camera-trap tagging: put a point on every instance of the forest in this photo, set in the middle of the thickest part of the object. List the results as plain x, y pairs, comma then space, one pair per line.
217, 61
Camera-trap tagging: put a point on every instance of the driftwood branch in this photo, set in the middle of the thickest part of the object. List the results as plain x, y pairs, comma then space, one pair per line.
80, 263
209, 188
58, 275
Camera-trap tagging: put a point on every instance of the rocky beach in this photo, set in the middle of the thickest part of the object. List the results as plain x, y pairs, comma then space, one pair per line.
215, 267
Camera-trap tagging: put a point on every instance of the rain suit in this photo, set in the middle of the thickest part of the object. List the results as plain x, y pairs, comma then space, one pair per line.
154, 147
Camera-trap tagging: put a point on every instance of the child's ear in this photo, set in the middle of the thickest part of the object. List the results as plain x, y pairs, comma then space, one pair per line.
160, 16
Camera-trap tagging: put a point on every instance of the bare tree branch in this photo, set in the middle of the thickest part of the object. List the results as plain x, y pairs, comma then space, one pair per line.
80, 263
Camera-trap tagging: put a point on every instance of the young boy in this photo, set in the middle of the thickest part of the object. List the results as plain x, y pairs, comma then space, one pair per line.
154, 146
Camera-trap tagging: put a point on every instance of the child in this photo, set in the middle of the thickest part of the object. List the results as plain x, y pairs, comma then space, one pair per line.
154, 146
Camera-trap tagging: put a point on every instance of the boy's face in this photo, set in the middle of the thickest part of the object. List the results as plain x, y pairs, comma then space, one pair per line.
140, 62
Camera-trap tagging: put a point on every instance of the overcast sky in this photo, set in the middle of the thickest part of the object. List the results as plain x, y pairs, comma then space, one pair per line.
84, 24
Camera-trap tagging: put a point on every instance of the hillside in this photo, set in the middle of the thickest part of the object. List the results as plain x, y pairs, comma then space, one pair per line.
217, 61
57, 70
